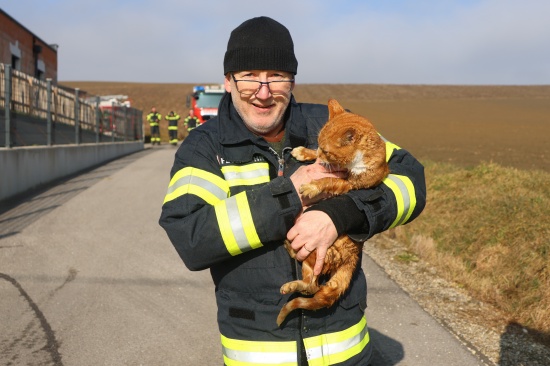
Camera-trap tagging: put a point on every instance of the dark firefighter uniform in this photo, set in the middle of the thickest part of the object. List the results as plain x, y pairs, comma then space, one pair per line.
191, 122
229, 205
154, 119
173, 119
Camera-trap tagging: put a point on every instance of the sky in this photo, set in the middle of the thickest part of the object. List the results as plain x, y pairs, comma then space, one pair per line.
496, 42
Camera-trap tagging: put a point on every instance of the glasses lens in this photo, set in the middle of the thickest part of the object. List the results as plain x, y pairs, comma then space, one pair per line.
250, 87
280, 87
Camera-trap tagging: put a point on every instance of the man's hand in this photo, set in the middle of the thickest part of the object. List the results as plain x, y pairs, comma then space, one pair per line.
312, 230
305, 174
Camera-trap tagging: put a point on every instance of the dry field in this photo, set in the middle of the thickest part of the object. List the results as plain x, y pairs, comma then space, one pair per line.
465, 125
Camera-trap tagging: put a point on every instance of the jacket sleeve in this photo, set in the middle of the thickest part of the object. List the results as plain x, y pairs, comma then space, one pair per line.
398, 200
209, 224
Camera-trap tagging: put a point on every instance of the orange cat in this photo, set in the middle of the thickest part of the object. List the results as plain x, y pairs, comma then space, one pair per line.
349, 141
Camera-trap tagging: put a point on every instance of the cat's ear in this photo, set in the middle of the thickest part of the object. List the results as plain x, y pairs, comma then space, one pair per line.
348, 137
334, 108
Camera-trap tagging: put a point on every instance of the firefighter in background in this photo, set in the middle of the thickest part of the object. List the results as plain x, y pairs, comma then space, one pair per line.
154, 119
191, 121
173, 119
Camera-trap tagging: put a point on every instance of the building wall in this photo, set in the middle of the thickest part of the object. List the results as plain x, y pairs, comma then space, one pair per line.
33, 52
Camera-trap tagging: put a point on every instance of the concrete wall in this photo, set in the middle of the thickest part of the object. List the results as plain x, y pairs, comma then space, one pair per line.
25, 168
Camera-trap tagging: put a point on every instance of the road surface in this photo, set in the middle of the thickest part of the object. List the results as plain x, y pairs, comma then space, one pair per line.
88, 277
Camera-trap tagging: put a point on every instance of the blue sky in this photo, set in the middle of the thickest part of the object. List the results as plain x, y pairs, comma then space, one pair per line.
504, 42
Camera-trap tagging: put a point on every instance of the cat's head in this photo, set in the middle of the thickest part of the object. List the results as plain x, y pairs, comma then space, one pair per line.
347, 137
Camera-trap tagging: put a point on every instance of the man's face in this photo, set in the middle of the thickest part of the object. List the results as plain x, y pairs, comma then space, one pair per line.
263, 111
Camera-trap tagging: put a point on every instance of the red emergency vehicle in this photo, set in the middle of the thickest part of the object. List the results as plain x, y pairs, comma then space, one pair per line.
205, 100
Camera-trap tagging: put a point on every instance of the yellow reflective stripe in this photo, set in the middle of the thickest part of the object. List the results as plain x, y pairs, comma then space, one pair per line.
333, 348
201, 183
236, 225
403, 189
246, 175
389, 148
247, 353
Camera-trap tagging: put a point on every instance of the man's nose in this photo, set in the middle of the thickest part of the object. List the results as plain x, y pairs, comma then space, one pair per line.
263, 92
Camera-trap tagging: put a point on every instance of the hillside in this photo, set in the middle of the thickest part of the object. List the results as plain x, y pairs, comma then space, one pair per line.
464, 125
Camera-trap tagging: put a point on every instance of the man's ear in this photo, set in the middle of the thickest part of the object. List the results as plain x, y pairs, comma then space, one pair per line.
227, 83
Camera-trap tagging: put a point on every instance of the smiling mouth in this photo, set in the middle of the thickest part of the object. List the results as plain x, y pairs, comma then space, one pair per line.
262, 106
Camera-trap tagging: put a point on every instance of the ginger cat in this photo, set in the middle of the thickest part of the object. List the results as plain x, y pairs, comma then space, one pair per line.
350, 141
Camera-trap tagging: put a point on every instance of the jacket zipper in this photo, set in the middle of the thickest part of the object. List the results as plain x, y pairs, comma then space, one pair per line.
280, 160
280, 173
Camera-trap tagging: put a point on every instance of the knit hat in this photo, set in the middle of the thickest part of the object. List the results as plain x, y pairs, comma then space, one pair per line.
260, 44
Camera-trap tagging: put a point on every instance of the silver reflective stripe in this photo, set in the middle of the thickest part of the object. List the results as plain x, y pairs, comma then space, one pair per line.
192, 179
333, 348
236, 224
246, 175
406, 198
263, 358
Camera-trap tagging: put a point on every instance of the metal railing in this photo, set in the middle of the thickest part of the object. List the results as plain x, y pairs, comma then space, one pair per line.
35, 112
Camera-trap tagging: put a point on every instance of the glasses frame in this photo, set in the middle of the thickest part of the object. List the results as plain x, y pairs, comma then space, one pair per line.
261, 83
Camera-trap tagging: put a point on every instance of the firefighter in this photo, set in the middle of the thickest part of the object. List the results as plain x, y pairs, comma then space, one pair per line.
191, 121
234, 197
154, 119
173, 119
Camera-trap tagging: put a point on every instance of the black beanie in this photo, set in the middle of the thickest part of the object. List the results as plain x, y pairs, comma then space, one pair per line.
260, 44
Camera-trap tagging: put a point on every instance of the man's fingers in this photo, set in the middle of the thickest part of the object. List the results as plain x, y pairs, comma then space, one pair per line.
320, 261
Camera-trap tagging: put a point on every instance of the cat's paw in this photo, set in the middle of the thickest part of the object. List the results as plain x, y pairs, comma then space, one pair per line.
309, 190
301, 153
288, 288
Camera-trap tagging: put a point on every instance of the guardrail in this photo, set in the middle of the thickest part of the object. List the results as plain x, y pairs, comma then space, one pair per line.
35, 112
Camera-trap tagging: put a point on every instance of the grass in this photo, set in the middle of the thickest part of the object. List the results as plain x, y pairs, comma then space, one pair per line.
487, 228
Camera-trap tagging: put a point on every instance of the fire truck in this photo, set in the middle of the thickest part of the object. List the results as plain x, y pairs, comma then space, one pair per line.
205, 100
112, 110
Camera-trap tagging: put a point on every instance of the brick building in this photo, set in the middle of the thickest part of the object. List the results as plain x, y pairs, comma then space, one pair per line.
25, 51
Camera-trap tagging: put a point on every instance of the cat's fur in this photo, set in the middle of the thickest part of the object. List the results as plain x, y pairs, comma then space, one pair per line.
348, 141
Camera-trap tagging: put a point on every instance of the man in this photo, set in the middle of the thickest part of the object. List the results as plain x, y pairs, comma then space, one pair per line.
173, 119
234, 197
154, 119
191, 121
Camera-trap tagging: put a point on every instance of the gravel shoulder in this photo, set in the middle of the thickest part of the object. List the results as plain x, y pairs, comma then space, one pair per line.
495, 339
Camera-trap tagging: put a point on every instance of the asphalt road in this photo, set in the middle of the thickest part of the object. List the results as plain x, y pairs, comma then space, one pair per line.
88, 277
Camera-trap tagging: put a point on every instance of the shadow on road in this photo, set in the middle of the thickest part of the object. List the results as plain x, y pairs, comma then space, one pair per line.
386, 351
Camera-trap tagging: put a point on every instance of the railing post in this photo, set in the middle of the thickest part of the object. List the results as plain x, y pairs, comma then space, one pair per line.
49, 110
76, 116
125, 122
141, 126
7, 103
113, 124
97, 115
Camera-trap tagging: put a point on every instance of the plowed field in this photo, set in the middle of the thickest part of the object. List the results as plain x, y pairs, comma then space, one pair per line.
509, 125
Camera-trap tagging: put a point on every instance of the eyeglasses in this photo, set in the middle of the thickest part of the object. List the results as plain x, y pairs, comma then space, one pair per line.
251, 87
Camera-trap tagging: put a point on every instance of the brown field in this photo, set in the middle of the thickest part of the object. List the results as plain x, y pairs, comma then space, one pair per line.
508, 125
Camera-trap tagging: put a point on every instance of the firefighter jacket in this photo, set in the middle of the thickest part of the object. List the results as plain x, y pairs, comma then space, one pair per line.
191, 122
154, 119
173, 121
229, 205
